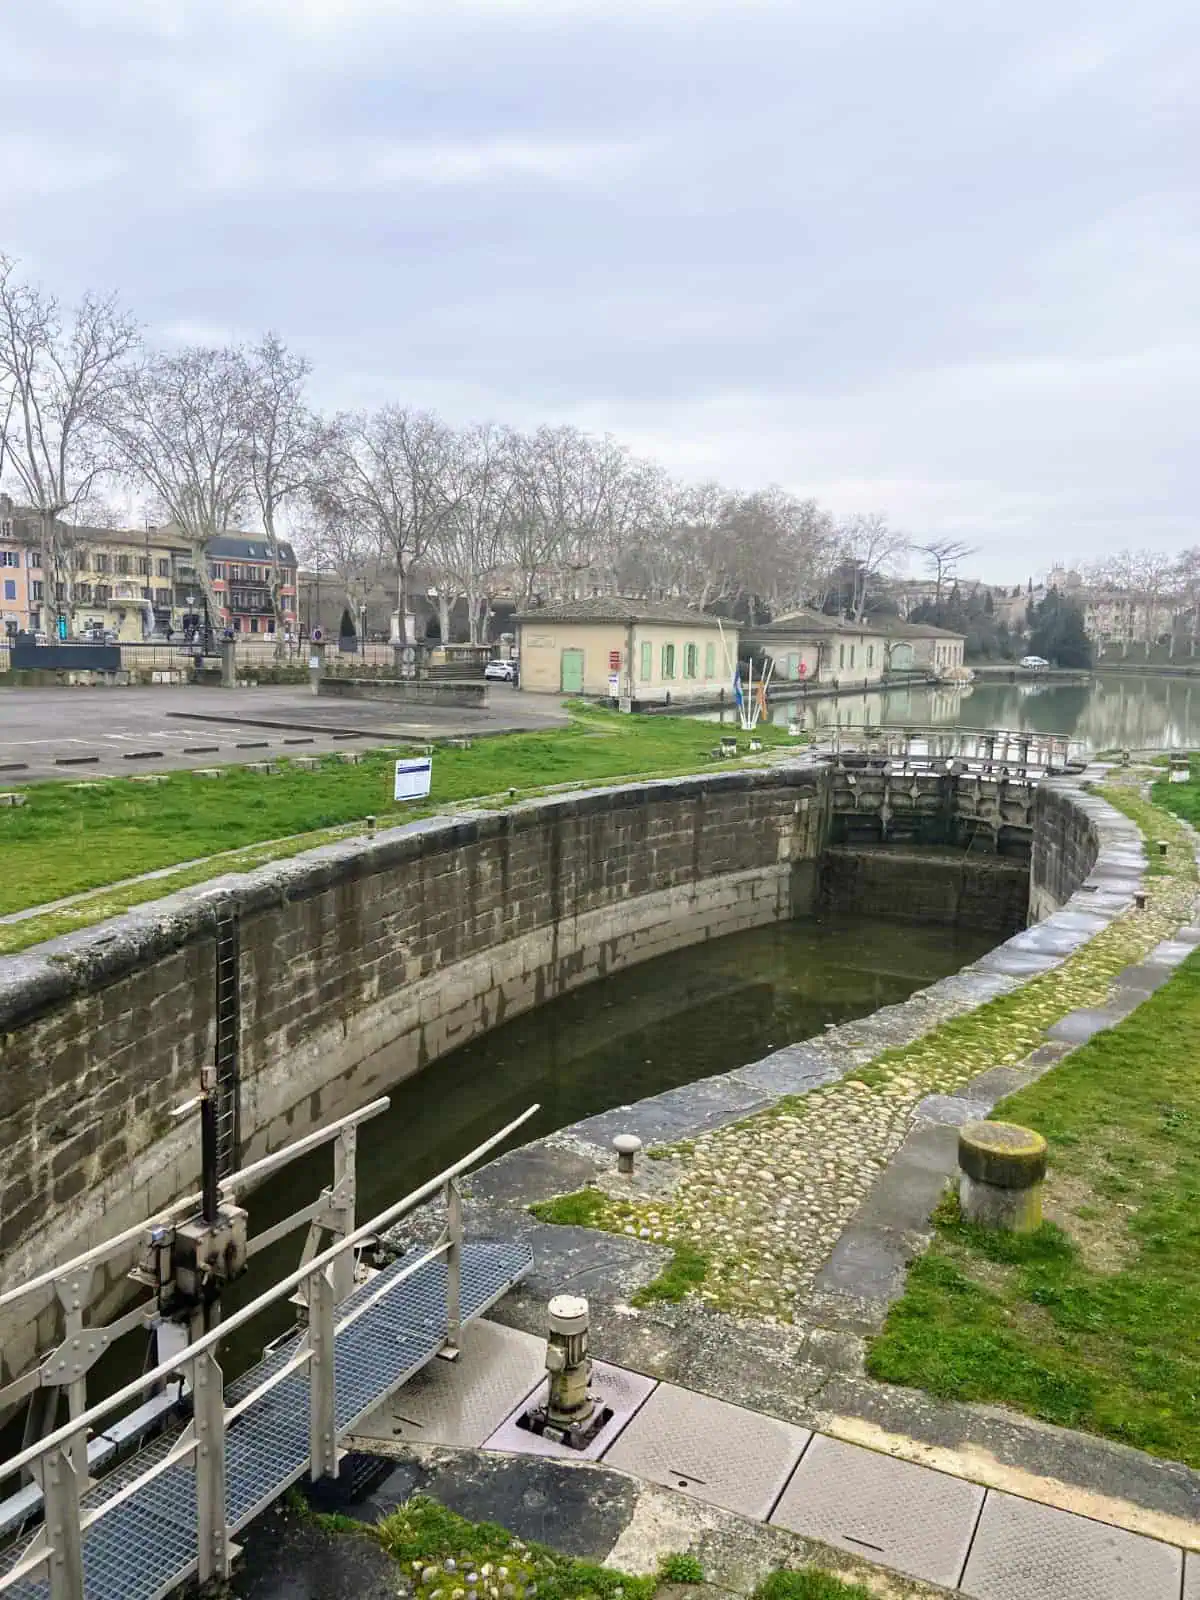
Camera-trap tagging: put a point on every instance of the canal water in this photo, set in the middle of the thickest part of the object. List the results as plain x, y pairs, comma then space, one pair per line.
1109, 711
666, 1022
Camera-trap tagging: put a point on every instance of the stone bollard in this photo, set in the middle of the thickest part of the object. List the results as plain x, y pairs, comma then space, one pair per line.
627, 1146
1002, 1167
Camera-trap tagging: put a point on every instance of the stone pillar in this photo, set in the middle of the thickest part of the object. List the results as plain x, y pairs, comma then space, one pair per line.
1001, 1171
228, 664
316, 663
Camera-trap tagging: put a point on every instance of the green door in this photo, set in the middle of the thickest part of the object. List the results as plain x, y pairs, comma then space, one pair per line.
572, 671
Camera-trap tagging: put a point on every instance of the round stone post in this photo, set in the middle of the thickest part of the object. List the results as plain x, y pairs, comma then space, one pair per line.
316, 664
1001, 1171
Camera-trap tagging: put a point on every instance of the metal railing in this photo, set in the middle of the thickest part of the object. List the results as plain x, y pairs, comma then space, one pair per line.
323, 1279
988, 750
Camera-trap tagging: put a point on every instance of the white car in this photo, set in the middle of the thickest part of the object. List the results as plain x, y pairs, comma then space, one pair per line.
505, 671
1034, 663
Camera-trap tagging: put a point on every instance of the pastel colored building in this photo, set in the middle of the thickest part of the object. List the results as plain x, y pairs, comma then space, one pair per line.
643, 650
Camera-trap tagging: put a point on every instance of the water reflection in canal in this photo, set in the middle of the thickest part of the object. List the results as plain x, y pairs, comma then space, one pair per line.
1110, 711
681, 1017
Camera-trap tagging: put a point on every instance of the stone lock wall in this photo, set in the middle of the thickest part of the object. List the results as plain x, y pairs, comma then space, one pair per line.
360, 963
943, 886
1066, 843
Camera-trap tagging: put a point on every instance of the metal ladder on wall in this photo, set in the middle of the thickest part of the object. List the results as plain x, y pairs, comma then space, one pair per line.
227, 1077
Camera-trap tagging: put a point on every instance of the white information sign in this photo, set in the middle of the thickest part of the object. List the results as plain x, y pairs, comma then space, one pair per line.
413, 777
313, 663
614, 685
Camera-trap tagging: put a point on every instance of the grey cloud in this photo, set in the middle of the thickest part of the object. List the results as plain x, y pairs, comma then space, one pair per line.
932, 258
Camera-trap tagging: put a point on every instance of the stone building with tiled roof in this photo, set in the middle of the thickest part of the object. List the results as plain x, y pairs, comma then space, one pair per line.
646, 651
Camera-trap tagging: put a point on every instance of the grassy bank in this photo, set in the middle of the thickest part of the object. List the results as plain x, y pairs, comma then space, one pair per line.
440, 1553
68, 839
1091, 1322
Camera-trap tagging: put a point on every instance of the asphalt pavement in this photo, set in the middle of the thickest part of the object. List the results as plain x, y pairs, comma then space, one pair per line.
108, 732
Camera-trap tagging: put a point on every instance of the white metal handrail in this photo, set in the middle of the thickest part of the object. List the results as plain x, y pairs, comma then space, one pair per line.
237, 1181
61, 1552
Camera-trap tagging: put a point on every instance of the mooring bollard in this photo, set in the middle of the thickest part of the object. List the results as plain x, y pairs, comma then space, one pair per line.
1001, 1171
627, 1146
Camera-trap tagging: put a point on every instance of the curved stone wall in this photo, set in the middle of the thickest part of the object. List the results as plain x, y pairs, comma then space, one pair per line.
359, 963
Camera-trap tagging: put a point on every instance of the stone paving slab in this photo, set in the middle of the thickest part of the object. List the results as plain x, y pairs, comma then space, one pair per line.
1079, 1026
677, 1113
1191, 1577
910, 1518
1024, 1551
623, 1392
1171, 952
710, 1449
462, 1402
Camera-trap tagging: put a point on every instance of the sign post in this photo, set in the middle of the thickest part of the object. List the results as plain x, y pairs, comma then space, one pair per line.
413, 777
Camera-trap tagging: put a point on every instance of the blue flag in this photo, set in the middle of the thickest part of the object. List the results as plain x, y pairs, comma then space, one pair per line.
738, 698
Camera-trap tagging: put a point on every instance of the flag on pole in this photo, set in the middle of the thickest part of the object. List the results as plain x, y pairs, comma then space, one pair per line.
738, 698
762, 697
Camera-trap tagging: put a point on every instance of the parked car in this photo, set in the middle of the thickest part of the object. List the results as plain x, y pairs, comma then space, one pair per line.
504, 671
1034, 663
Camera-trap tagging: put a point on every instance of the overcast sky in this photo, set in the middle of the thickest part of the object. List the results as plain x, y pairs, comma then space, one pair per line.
940, 260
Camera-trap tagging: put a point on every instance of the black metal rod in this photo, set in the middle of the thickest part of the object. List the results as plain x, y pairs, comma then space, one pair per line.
210, 1199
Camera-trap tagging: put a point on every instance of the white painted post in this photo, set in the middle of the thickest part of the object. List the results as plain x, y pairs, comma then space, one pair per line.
322, 1420
60, 1486
208, 1400
454, 1233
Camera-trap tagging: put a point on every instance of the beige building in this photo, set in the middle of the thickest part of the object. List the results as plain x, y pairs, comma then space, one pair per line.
810, 647
920, 647
642, 650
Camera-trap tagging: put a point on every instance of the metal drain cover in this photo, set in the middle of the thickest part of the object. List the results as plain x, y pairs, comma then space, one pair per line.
623, 1392
461, 1402
910, 1518
710, 1449
1025, 1551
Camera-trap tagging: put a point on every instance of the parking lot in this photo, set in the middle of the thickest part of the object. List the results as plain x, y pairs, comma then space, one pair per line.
77, 732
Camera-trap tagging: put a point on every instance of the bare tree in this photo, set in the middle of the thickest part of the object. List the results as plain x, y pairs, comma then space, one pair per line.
180, 432
58, 376
943, 556
331, 541
285, 441
392, 472
872, 548
1154, 578
471, 543
1187, 575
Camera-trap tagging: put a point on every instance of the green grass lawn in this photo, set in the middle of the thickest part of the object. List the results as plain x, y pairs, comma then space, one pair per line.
66, 839
1181, 798
1091, 1322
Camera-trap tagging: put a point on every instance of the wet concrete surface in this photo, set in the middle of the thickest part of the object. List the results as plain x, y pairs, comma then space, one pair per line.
82, 733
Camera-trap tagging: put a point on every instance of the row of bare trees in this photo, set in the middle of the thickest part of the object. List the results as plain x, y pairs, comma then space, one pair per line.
1159, 594
214, 437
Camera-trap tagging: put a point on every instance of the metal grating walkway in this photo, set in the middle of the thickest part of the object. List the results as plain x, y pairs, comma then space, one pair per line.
147, 1546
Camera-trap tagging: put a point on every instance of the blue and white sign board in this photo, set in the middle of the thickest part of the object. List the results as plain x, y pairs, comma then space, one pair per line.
413, 777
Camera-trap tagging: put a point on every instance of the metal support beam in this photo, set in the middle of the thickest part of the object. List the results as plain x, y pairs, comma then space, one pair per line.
70, 1359
60, 1486
454, 1237
322, 1423
341, 1208
212, 1535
